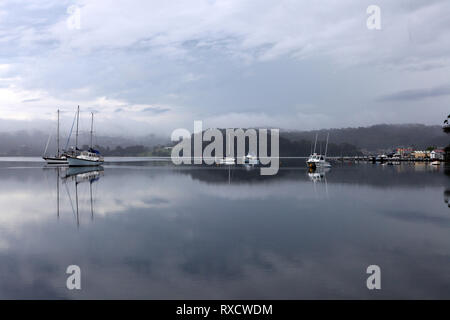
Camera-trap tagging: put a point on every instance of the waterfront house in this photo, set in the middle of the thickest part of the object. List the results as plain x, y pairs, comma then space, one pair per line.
437, 154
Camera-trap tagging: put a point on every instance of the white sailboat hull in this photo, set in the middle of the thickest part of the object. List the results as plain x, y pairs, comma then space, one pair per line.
76, 162
229, 161
58, 161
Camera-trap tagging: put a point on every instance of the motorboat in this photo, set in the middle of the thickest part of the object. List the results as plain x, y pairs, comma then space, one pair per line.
316, 160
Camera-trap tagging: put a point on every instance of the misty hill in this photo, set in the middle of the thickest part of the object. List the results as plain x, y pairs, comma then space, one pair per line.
291, 148
32, 143
345, 141
379, 137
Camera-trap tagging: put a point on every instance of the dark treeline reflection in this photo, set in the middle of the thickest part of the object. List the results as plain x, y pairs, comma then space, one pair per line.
414, 175
157, 231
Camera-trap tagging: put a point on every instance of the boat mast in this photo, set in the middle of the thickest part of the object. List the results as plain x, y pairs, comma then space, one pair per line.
57, 192
92, 127
228, 146
326, 147
76, 199
315, 143
46, 146
76, 136
57, 138
92, 207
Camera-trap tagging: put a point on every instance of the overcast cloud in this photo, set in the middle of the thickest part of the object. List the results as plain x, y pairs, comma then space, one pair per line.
153, 66
420, 94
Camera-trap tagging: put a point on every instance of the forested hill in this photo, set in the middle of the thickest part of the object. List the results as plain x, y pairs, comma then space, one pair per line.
345, 141
377, 137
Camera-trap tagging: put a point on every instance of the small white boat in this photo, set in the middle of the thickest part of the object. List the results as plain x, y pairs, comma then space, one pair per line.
229, 161
251, 160
435, 163
318, 160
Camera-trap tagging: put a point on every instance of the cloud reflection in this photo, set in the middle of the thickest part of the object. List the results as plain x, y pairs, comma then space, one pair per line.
166, 233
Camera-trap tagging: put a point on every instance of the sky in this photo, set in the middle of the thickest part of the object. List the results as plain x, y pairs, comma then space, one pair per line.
154, 66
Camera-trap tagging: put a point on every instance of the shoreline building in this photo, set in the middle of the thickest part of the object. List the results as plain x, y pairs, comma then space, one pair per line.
419, 154
404, 152
437, 154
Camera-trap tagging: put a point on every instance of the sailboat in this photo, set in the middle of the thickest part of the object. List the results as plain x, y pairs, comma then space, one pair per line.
59, 158
318, 160
228, 160
86, 158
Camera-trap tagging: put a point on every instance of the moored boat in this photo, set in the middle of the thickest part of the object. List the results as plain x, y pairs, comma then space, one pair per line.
318, 160
251, 160
229, 161
59, 158
86, 158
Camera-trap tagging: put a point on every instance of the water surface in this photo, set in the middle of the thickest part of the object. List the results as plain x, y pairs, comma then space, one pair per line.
155, 231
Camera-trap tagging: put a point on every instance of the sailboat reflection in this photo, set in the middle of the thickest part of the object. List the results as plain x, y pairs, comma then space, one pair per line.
318, 175
447, 197
80, 175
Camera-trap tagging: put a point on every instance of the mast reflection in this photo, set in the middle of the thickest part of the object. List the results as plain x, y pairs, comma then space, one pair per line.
78, 176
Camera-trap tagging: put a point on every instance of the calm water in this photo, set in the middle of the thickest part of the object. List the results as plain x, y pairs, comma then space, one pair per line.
157, 231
